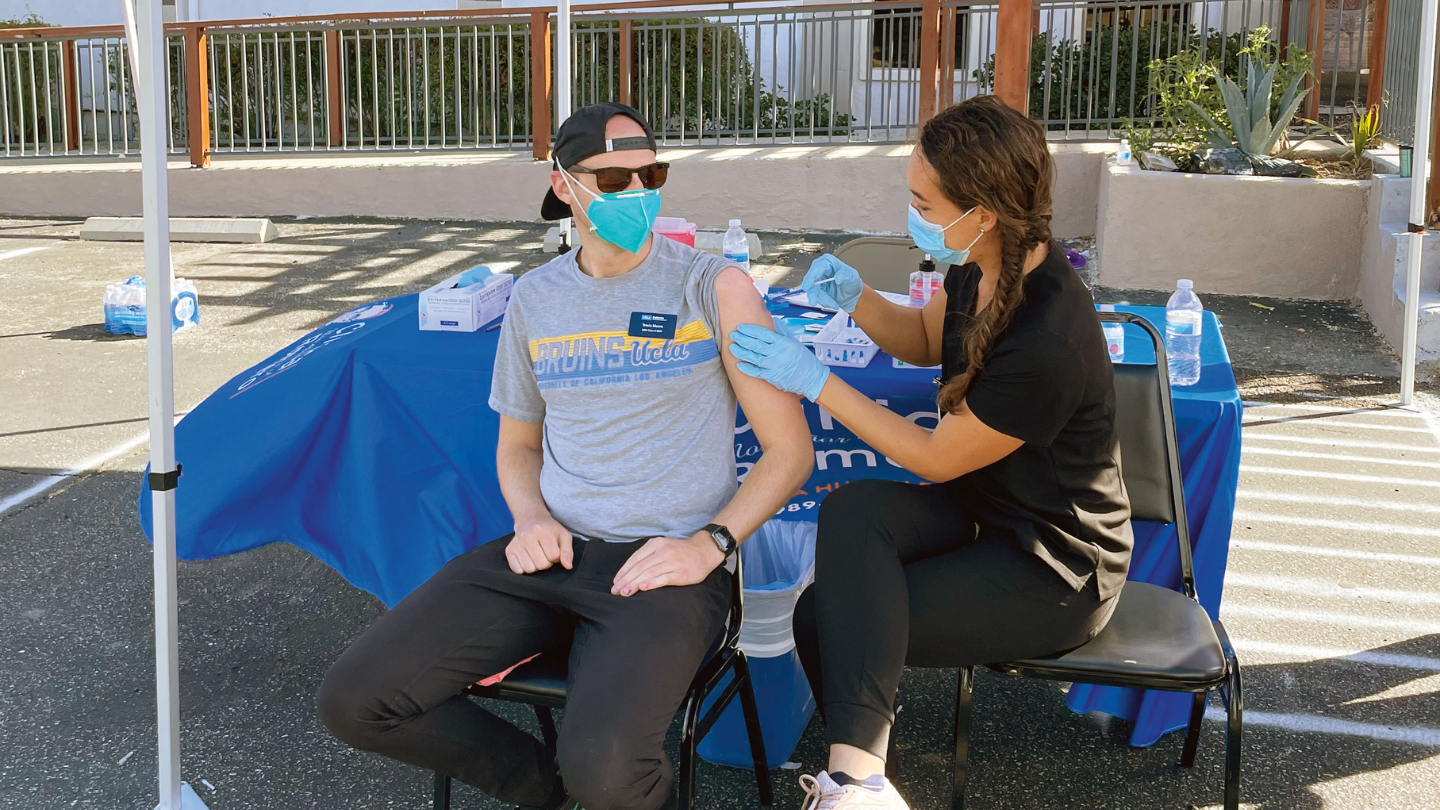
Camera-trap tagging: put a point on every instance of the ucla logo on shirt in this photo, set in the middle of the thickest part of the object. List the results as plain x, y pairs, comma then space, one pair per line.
612, 358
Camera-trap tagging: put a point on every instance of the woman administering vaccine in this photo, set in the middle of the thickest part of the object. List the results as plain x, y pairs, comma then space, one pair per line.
1021, 547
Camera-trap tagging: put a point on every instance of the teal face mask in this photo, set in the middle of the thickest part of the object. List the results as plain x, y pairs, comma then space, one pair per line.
624, 218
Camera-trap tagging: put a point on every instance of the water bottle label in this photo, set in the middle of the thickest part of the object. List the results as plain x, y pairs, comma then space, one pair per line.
740, 258
1183, 323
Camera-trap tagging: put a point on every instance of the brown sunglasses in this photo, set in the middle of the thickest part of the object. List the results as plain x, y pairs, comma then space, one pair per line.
611, 179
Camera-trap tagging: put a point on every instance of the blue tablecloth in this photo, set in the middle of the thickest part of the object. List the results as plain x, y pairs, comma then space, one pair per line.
370, 444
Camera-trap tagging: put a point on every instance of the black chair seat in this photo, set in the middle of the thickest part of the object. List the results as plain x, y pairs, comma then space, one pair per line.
1157, 637
540, 681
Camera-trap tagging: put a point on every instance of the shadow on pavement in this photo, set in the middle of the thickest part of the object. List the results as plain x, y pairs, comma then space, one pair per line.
259, 630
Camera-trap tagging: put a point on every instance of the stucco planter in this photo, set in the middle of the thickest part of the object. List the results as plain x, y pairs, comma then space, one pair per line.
1262, 236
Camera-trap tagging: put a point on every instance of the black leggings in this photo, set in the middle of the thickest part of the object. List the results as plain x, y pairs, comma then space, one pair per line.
901, 577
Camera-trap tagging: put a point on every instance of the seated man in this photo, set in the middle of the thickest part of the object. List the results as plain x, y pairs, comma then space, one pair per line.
617, 400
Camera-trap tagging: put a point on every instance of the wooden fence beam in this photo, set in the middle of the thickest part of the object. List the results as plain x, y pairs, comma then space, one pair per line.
541, 84
627, 61
334, 97
948, 22
197, 95
70, 71
929, 87
1012, 54
1374, 94
1432, 192
1285, 6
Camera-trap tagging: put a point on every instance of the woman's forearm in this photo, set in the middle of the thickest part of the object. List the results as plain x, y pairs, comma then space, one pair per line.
894, 436
899, 330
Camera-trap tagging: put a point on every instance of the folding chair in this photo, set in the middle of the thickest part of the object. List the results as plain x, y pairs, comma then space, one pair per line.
883, 262
1157, 638
541, 685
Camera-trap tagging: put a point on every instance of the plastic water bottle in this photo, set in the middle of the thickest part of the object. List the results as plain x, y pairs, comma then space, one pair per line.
1114, 336
1184, 318
736, 247
1122, 153
925, 282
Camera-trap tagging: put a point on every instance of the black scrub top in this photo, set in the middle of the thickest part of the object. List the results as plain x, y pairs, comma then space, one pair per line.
1048, 382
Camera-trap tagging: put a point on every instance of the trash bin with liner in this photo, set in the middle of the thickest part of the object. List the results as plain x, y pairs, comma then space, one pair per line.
779, 563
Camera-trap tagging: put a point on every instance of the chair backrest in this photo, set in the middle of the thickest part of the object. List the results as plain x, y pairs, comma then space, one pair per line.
1149, 450
884, 262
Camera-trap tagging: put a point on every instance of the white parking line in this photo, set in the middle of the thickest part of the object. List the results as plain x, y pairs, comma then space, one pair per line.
1326, 500
1403, 413
51, 481
11, 254
1399, 462
1330, 653
1368, 528
1319, 587
1329, 617
1276, 437
1314, 724
1342, 553
1292, 423
1334, 476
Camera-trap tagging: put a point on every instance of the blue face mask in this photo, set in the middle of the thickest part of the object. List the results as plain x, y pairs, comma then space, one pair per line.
930, 238
623, 218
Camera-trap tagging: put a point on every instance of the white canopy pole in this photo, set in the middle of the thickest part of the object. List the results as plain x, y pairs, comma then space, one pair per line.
1424, 115
562, 83
151, 92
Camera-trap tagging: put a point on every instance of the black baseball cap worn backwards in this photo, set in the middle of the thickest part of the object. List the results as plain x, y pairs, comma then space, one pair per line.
583, 136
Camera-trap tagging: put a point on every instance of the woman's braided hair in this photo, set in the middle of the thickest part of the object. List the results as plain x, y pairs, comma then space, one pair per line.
986, 154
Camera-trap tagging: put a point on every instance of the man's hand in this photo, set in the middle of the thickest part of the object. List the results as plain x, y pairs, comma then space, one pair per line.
538, 544
667, 561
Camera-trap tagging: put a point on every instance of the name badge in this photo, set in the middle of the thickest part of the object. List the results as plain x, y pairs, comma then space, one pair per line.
653, 325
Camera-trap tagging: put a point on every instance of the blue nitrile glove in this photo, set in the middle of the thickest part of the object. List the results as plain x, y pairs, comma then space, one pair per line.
474, 275
832, 283
778, 360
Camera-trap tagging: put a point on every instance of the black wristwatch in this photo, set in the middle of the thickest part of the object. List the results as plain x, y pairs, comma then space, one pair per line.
723, 538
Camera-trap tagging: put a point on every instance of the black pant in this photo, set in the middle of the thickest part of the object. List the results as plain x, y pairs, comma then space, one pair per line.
901, 577
396, 690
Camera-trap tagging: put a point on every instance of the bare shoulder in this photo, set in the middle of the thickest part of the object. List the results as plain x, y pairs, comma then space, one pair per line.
736, 293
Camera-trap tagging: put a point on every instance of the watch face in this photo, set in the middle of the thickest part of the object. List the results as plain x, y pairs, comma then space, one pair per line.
723, 538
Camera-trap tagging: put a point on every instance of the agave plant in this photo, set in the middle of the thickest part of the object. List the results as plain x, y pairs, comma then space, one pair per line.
1248, 111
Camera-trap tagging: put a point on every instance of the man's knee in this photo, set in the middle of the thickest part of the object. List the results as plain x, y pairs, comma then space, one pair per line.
607, 777
351, 707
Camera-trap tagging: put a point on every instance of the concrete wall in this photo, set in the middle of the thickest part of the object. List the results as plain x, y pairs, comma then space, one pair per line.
1264, 236
856, 188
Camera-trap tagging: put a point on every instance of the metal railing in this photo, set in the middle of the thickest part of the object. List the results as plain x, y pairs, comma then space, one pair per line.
821, 74
1398, 60
713, 72
75, 96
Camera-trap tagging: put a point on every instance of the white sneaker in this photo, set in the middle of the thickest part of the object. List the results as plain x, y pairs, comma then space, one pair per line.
822, 793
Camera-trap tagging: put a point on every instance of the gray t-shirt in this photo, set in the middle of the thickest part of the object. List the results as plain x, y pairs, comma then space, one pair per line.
625, 374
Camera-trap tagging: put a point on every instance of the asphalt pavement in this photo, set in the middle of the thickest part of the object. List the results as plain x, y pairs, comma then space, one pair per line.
1332, 590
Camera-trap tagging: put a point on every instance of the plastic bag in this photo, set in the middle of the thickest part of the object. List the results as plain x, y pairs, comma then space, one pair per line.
779, 562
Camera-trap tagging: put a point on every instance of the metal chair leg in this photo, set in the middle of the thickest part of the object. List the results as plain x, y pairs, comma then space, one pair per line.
688, 744
963, 698
442, 792
547, 728
1192, 735
1234, 713
751, 711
